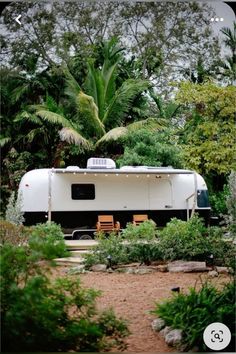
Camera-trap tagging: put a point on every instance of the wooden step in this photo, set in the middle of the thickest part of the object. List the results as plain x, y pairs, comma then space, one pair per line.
80, 244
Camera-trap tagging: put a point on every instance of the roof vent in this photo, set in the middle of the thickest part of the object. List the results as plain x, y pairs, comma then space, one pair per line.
72, 168
95, 162
138, 168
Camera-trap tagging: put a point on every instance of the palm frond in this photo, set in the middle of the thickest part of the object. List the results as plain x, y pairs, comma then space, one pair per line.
122, 101
73, 137
113, 134
53, 118
151, 124
27, 116
36, 132
95, 88
4, 141
109, 77
18, 92
72, 86
89, 110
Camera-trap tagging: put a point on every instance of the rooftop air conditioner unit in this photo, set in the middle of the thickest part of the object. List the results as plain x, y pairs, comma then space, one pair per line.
95, 162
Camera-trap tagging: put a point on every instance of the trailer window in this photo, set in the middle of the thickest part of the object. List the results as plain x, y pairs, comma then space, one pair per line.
202, 199
83, 191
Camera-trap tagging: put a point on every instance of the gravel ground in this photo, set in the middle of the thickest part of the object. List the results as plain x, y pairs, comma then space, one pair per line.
133, 296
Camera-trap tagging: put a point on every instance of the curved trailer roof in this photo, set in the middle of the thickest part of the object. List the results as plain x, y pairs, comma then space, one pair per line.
131, 170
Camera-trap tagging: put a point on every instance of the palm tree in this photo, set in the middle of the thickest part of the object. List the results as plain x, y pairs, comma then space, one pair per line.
230, 61
98, 112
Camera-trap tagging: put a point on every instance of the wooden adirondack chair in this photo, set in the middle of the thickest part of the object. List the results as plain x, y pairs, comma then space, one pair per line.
106, 223
138, 219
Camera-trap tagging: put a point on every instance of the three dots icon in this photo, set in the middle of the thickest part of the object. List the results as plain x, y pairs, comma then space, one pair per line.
217, 19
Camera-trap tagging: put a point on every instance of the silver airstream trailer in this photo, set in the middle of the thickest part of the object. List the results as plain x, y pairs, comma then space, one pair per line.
74, 197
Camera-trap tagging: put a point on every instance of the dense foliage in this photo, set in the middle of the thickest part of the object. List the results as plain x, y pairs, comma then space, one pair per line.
186, 240
194, 311
38, 314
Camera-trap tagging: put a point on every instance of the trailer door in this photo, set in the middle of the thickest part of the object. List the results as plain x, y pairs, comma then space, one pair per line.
160, 193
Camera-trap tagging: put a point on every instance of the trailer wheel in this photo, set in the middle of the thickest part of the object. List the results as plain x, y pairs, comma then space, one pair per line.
78, 236
86, 237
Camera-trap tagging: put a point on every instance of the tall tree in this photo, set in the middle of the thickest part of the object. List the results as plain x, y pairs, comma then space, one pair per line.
164, 37
209, 132
229, 65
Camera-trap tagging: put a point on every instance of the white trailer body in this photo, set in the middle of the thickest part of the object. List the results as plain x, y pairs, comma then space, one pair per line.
74, 197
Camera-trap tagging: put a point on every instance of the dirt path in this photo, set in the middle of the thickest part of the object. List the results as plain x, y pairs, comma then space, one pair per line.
133, 296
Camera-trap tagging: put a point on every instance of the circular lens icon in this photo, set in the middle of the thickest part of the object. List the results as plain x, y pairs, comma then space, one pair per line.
217, 336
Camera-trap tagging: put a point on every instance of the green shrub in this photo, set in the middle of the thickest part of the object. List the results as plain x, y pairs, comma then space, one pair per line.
13, 234
144, 253
184, 240
193, 312
108, 246
220, 247
40, 315
47, 241
144, 231
218, 201
191, 240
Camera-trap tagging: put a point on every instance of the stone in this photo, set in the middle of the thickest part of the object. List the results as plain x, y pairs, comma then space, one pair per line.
165, 331
213, 274
187, 267
223, 270
162, 268
143, 271
158, 324
76, 270
110, 270
99, 268
174, 337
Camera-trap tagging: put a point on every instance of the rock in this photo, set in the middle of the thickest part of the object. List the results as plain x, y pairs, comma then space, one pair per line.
158, 324
223, 270
165, 331
187, 267
99, 268
76, 270
162, 268
174, 337
213, 274
130, 271
143, 271
110, 270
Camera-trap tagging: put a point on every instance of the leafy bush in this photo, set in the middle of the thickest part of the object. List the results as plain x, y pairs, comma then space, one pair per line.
13, 234
13, 212
47, 241
191, 240
218, 201
134, 244
145, 253
39, 315
184, 239
231, 204
108, 247
193, 312
145, 231
142, 147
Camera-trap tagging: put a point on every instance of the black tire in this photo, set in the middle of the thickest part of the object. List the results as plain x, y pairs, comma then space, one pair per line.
85, 237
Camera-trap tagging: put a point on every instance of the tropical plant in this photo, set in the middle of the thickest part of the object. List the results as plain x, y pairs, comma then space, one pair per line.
229, 65
151, 148
61, 312
194, 311
90, 114
208, 135
191, 240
